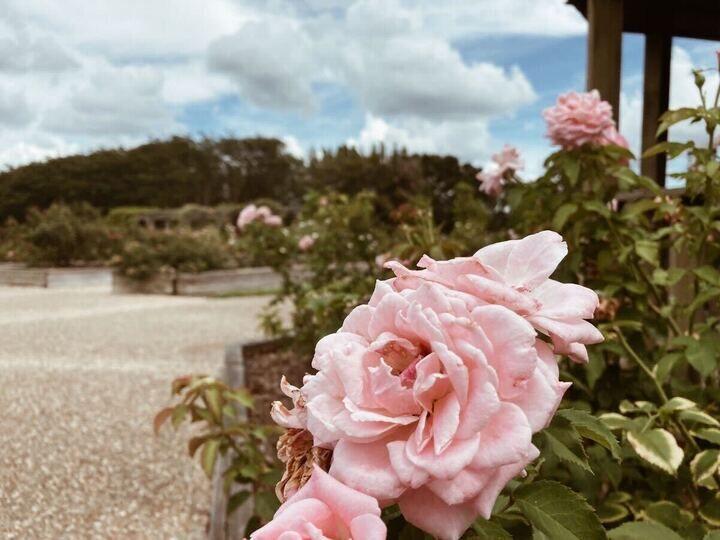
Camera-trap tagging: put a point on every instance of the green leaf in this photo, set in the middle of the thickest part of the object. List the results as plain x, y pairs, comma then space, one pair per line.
709, 274
178, 415
558, 512
648, 250
565, 447
562, 214
712, 535
214, 404
236, 500
490, 530
669, 514
673, 117
266, 504
677, 404
643, 530
616, 421
209, 455
708, 434
710, 511
241, 396
699, 417
665, 366
673, 149
592, 428
611, 512
704, 466
658, 447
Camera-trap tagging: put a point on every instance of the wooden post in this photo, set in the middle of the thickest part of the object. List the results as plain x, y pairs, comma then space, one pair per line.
605, 21
655, 100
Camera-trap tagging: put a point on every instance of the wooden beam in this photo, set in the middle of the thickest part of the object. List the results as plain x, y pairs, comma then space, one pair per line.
656, 97
605, 22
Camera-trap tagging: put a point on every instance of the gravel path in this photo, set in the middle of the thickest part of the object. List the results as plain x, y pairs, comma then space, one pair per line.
81, 375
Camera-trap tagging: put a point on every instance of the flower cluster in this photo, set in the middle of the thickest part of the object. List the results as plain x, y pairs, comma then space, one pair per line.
503, 168
429, 394
582, 118
257, 213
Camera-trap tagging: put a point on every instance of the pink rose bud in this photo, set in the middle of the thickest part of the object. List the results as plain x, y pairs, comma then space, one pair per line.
306, 242
325, 508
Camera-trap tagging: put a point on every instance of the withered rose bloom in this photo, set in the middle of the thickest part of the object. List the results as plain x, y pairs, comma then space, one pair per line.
295, 449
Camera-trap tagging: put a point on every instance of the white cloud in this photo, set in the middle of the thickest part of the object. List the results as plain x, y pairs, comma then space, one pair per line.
468, 140
293, 147
271, 61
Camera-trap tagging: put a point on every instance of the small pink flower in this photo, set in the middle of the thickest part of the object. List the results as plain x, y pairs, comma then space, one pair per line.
505, 164
508, 160
578, 119
273, 221
247, 215
491, 181
325, 509
306, 242
257, 213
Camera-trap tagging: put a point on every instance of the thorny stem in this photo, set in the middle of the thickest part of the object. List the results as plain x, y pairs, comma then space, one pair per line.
640, 362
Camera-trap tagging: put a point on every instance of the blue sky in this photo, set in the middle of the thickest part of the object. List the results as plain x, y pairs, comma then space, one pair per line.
450, 77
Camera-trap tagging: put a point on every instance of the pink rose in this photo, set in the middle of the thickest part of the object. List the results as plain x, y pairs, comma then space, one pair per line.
508, 159
516, 274
306, 242
325, 509
247, 215
505, 164
578, 119
491, 182
257, 213
430, 398
613, 136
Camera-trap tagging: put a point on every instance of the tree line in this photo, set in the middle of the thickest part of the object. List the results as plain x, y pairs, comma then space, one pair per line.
181, 170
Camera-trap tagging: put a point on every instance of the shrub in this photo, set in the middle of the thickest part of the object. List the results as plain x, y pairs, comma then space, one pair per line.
63, 235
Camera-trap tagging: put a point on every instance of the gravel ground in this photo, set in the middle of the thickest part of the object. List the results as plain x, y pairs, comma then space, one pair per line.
81, 375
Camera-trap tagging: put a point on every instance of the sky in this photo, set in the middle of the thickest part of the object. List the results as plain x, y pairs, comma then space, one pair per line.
454, 76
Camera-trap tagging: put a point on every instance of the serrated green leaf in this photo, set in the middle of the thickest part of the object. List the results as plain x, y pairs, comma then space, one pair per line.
658, 447
643, 530
566, 449
708, 434
490, 530
209, 455
558, 512
704, 466
592, 428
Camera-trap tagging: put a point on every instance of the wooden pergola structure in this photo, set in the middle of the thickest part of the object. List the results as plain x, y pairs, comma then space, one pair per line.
660, 21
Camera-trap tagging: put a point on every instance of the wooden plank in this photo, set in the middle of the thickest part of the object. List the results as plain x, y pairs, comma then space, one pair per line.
605, 22
656, 96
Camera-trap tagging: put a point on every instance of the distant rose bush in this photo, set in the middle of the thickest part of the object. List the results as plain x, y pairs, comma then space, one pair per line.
261, 213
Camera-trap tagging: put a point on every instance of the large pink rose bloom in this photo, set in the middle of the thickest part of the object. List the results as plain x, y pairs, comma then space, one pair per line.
325, 509
516, 274
257, 213
429, 399
578, 119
